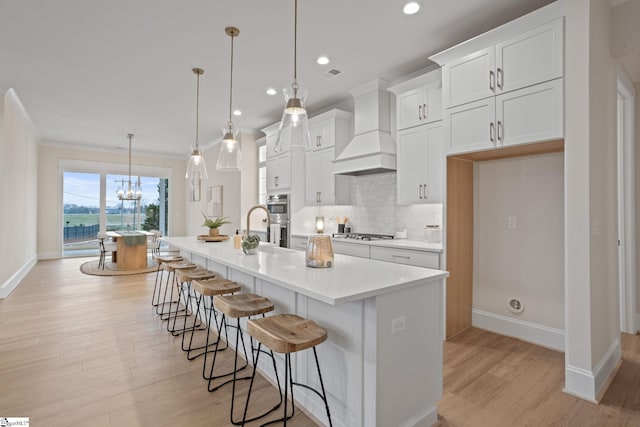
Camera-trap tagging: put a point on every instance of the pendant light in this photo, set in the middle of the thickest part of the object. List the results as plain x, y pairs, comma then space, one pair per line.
133, 192
229, 157
293, 133
196, 169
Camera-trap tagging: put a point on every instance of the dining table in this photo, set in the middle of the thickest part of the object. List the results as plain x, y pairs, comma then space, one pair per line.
131, 249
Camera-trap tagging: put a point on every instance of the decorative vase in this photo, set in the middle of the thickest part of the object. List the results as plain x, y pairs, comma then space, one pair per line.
214, 232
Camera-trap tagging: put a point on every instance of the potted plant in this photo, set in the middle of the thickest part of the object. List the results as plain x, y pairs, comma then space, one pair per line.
214, 223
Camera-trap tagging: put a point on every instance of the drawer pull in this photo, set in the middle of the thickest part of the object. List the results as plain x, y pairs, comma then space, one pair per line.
400, 256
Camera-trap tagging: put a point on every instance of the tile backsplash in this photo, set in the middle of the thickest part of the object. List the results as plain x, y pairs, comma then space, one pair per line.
373, 209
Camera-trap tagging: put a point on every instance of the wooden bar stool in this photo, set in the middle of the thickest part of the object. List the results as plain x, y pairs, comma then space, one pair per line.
159, 260
287, 333
208, 288
171, 268
241, 306
184, 277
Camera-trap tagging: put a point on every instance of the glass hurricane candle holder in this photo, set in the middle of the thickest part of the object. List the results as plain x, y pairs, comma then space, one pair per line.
319, 251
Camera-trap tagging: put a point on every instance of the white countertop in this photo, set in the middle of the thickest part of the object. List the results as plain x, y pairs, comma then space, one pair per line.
350, 279
390, 243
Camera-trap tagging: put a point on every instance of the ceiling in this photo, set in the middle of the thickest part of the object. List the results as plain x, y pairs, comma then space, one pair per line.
91, 71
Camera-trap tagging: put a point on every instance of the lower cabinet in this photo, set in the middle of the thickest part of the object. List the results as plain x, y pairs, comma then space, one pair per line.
414, 257
406, 256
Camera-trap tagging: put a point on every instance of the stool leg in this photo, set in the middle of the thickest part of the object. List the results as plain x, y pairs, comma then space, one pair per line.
155, 286
324, 394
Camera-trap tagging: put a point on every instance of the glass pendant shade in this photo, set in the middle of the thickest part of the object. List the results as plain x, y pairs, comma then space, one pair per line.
230, 157
293, 132
196, 164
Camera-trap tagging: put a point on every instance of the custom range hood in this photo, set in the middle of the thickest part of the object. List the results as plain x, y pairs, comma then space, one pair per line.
372, 149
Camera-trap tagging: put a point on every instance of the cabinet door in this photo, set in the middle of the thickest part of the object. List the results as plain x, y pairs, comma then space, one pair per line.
434, 185
469, 78
322, 135
532, 114
412, 159
315, 171
533, 57
470, 127
432, 108
279, 173
409, 105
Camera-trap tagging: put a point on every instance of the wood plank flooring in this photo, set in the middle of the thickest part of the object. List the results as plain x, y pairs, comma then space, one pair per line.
492, 380
78, 350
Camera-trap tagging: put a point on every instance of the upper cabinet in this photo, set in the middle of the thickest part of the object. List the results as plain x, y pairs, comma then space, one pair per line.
418, 100
505, 87
327, 128
533, 57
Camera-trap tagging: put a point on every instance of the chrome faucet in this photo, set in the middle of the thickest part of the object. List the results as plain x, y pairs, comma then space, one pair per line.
249, 219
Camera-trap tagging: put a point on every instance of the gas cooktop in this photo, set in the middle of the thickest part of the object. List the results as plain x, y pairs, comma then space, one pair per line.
363, 236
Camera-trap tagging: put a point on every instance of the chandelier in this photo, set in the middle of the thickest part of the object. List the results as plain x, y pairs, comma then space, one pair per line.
132, 193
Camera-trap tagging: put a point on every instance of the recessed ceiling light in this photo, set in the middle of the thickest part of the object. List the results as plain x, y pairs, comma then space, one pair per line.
271, 91
237, 112
322, 60
411, 7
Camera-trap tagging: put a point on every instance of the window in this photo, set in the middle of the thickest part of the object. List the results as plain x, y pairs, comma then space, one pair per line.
262, 172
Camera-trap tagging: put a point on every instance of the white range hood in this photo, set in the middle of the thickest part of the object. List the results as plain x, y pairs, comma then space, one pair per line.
372, 149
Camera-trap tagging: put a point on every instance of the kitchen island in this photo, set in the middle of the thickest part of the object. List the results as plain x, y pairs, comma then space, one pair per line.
382, 362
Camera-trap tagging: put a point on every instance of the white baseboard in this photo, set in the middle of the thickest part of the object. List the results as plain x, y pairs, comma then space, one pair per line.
590, 385
13, 281
527, 331
426, 418
49, 255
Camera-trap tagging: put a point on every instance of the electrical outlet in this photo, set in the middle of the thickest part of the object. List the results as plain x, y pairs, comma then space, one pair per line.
398, 324
511, 222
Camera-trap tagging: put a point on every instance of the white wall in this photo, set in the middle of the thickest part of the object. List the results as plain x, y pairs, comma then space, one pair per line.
19, 187
525, 262
50, 185
239, 189
592, 315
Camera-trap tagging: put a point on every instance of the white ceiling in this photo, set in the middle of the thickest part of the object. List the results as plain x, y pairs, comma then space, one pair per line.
91, 71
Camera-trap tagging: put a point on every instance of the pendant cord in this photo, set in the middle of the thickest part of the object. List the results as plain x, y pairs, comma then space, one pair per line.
130, 136
231, 85
197, 105
295, 43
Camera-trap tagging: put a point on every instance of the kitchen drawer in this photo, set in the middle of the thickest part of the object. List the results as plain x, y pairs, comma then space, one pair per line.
352, 249
299, 243
406, 256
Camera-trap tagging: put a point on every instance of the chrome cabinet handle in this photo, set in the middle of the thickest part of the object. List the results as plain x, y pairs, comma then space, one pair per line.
419, 112
499, 77
424, 111
499, 127
491, 80
276, 181
319, 196
491, 131
400, 256
426, 192
420, 192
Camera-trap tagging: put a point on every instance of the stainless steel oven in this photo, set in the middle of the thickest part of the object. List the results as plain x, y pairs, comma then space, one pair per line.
278, 207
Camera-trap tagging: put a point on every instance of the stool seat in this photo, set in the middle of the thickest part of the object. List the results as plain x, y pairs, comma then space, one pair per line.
178, 265
243, 305
194, 273
286, 333
215, 286
159, 259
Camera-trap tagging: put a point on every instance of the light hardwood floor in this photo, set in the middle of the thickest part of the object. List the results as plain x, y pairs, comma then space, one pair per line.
79, 350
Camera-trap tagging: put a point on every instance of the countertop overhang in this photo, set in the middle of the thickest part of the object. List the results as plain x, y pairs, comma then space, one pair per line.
350, 279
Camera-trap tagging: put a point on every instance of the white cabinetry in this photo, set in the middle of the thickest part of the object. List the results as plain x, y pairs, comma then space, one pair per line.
534, 113
420, 164
418, 100
530, 58
406, 256
279, 173
322, 186
329, 131
351, 249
